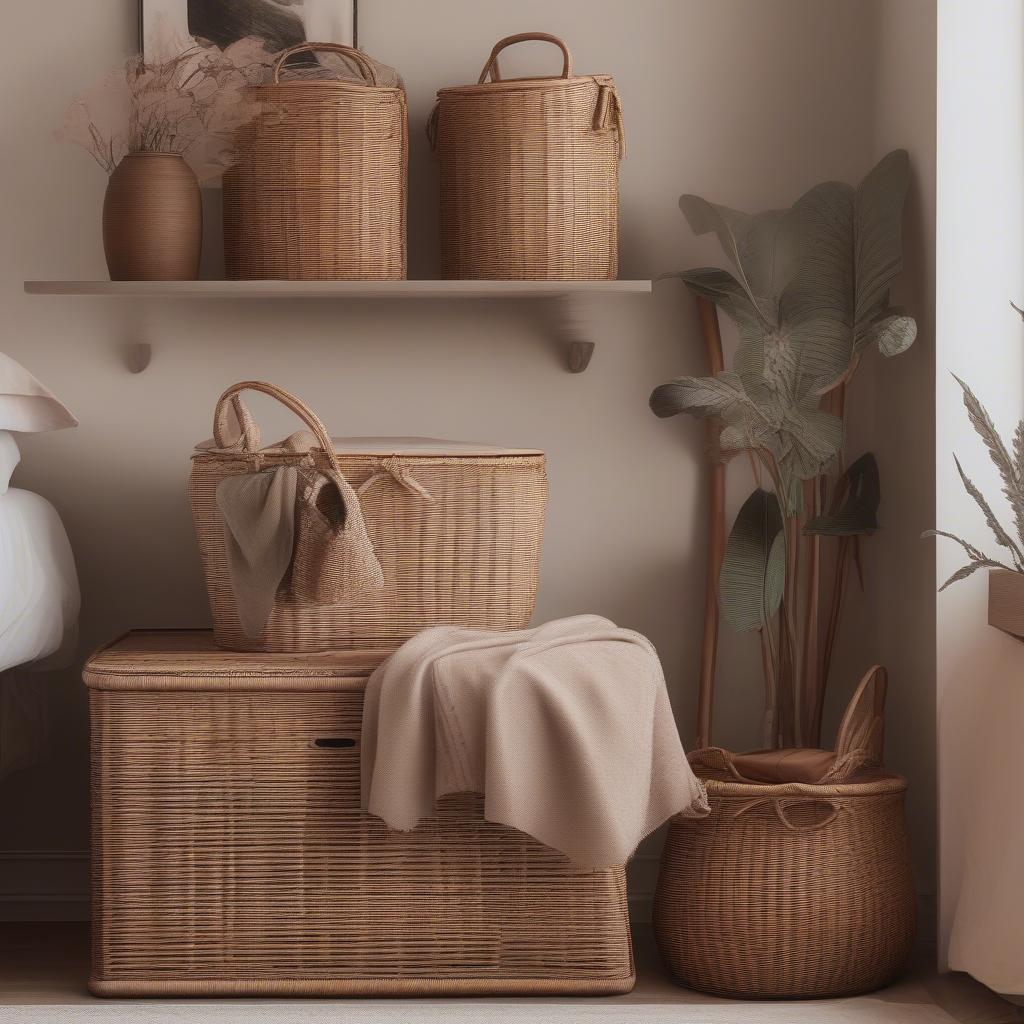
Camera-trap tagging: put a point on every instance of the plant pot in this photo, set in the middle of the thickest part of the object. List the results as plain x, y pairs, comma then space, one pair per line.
1006, 601
153, 219
788, 891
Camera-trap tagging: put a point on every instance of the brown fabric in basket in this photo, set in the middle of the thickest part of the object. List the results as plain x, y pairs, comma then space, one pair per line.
795, 764
258, 510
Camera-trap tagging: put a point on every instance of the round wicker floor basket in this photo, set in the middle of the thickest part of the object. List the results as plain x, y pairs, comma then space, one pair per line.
788, 891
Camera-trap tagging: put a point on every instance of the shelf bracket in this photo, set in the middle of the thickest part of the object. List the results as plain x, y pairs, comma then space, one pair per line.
137, 356
573, 320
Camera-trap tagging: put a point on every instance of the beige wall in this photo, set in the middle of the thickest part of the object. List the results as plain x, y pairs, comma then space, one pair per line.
893, 415
744, 101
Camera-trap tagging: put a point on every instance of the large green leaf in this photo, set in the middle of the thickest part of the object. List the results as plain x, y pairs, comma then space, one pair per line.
699, 396
852, 249
810, 292
879, 233
859, 512
727, 293
892, 334
753, 573
762, 248
814, 437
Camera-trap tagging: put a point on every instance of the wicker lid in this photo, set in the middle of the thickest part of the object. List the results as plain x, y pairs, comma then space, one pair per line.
188, 659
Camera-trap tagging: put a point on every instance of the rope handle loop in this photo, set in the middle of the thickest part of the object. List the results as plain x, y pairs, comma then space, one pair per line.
491, 67
231, 399
361, 61
395, 469
781, 804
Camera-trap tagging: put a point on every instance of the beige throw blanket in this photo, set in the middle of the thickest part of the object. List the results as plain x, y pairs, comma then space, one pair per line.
566, 729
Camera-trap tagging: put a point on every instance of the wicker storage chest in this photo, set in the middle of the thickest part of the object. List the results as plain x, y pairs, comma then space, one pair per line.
230, 855
529, 174
457, 529
319, 188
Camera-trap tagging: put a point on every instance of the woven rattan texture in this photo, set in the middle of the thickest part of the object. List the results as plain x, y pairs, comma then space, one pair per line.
529, 178
469, 556
230, 856
788, 891
319, 188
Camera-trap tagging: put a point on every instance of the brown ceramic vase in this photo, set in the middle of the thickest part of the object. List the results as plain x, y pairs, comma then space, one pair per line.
153, 219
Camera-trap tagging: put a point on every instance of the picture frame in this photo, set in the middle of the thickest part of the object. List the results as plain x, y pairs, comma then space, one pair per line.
280, 23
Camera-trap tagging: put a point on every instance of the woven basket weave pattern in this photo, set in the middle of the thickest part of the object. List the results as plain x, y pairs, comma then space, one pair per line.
457, 538
529, 179
319, 189
230, 856
788, 891
469, 557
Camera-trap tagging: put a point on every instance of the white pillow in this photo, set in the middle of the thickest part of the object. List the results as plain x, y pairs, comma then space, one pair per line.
10, 456
27, 406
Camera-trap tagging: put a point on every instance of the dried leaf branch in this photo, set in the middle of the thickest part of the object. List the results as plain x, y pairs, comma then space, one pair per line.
1011, 472
188, 97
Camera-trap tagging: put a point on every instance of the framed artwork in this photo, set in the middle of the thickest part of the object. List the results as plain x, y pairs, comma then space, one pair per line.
280, 23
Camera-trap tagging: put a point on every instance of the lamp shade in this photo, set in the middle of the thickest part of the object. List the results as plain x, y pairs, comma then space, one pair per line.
25, 404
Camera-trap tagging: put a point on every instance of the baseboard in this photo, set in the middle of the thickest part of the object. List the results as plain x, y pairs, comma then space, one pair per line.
44, 885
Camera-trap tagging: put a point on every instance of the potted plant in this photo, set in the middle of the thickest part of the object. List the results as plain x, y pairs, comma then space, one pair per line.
158, 126
799, 882
1006, 574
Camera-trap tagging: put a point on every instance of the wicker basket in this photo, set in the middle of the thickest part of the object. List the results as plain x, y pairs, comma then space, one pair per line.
457, 531
792, 890
529, 174
230, 857
319, 189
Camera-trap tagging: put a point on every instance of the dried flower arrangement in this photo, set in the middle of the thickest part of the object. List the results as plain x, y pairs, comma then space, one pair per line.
810, 295
185, 97
1011, 472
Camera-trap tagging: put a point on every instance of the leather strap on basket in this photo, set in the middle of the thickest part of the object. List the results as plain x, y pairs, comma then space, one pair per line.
361, 61
248, 442
491, 67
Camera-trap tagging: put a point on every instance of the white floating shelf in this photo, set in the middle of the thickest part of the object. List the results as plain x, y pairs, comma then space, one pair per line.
338, 289
570, 298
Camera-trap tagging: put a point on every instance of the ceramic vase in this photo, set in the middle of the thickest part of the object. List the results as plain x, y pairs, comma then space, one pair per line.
153, 219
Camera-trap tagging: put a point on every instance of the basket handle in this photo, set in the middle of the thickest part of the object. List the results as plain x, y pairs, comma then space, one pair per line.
296, 405
491, 67
361, 61
779, 805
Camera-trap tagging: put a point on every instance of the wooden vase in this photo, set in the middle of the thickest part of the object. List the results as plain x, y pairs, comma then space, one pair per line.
153, 219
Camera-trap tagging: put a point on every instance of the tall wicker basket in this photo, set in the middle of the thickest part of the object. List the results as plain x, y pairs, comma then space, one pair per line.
319, 189
457, 530
529, 174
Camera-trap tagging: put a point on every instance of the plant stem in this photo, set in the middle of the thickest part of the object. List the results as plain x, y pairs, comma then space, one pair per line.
769, 737
811, 734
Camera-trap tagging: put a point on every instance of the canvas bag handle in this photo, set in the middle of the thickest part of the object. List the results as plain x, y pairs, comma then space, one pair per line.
491, 67
365, 66
231, 399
